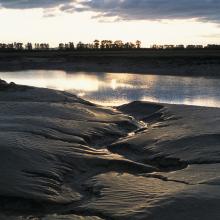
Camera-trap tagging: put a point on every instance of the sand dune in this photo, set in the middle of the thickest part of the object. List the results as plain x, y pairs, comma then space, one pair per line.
66, 158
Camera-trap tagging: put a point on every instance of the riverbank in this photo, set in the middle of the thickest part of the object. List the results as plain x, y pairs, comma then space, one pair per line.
161, 62
65, 158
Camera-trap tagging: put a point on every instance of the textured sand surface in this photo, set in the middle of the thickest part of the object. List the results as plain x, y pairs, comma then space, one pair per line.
65, 158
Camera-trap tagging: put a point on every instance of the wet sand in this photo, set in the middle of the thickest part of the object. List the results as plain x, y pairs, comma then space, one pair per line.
65, 158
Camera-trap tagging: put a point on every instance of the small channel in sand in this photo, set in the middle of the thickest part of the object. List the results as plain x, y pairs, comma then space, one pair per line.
112, 89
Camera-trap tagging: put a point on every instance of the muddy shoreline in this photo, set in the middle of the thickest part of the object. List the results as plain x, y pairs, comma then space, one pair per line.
179, 63
66, 158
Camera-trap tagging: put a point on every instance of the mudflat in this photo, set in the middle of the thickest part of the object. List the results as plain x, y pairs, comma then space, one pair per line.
196, 62
65, 158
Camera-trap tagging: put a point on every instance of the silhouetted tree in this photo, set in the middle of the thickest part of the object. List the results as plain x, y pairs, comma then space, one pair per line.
18, 46
96, 44
138, 44
37, 46
118, 44
80, 46
129, 45
71, 46
109, 44
61, 46
181, 46
103, 44
213, 46
10, 46
194, 46
66, 46
3, 46
157, 47
44, 46
169, 46
28, 46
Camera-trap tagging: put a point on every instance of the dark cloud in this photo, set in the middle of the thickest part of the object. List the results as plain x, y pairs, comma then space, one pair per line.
156, 9
24, 4
208, 10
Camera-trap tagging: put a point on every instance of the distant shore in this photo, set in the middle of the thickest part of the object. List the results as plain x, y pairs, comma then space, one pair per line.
144, 61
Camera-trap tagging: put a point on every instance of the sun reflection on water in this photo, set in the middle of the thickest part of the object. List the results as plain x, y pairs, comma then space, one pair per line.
119, 88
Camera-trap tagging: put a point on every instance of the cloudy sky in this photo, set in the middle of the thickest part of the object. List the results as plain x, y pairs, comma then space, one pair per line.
151, 21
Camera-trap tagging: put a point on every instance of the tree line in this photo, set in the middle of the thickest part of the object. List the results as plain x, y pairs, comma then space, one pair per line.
101, 45
21, 46
173, 47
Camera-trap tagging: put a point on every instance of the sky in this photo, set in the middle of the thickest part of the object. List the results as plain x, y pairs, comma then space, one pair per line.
151, 21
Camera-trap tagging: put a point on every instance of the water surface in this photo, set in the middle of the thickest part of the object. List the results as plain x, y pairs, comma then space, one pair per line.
119, 88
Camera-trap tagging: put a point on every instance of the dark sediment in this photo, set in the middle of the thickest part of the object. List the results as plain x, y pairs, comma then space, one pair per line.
173, 62
65, 158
